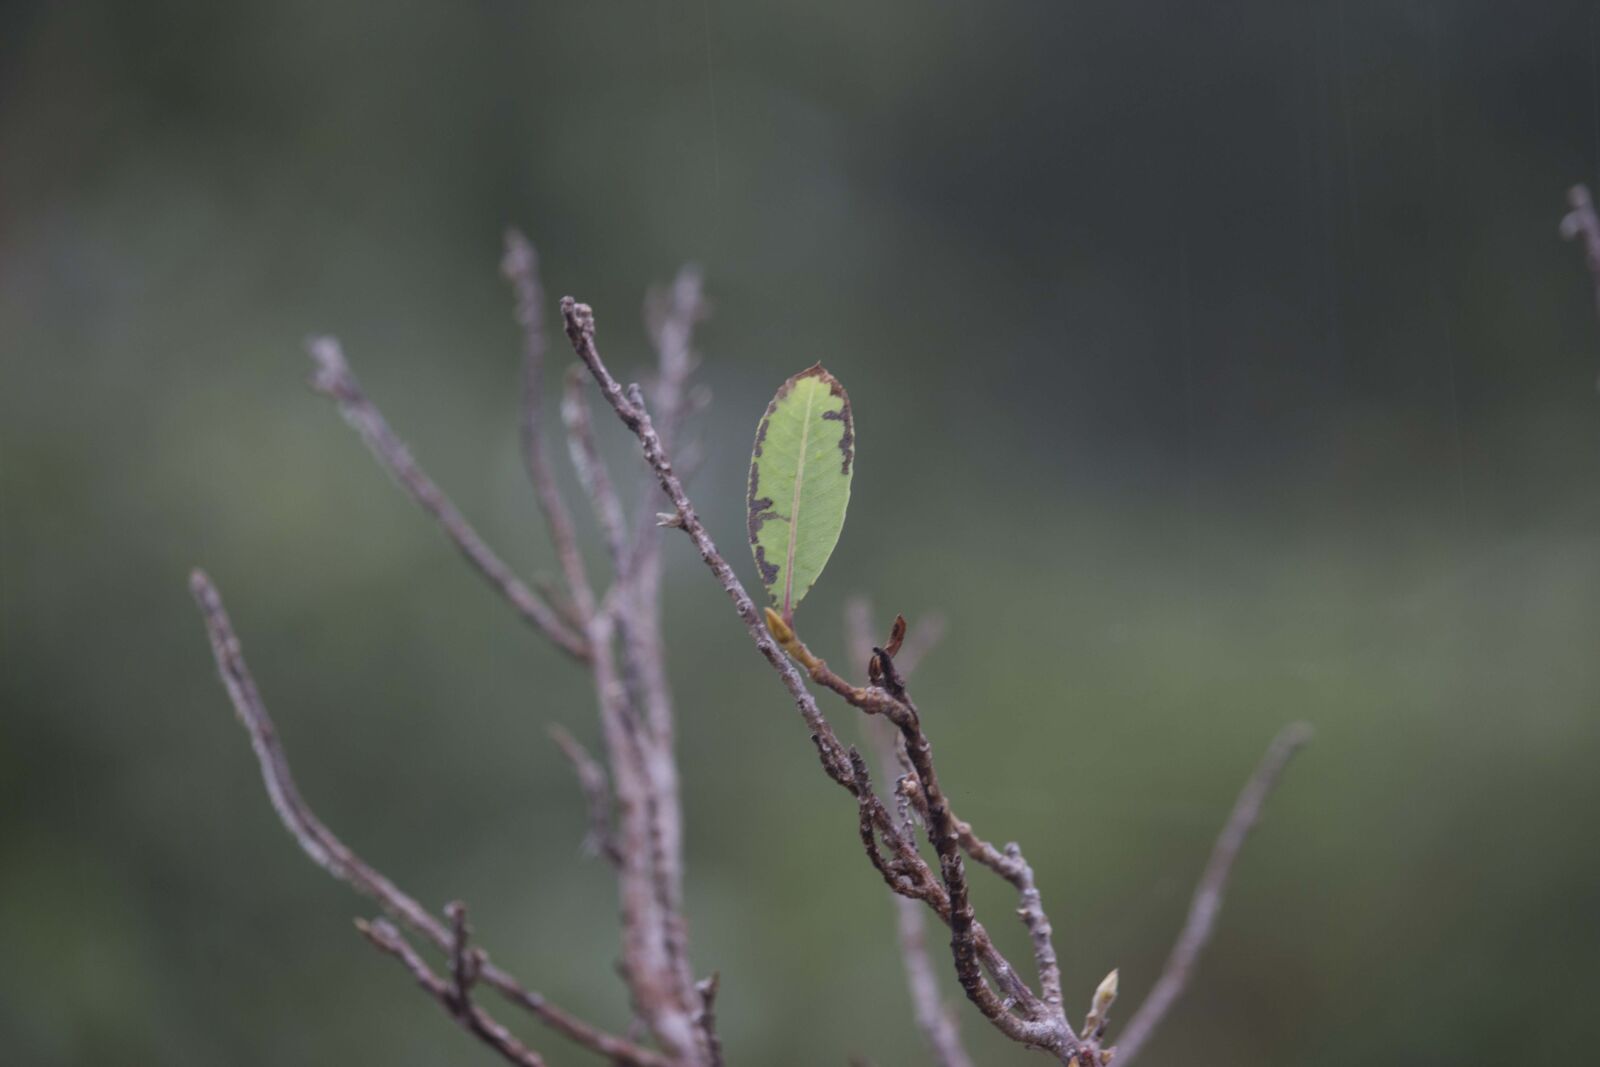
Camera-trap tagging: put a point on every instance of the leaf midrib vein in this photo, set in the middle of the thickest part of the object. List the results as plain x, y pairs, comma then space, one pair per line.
794, 511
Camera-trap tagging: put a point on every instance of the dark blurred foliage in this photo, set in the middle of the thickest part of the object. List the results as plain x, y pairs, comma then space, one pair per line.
1214, 365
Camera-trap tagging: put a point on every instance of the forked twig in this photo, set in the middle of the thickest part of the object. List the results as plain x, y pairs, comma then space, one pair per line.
619, 636
331, 854
933, 1016
969, 940
474, 1019
1041, 1024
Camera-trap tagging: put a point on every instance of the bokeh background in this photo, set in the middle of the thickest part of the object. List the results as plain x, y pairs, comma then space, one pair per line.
1214, 366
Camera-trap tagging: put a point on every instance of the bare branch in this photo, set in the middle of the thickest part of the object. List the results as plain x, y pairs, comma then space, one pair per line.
464, 961
591, 469
520, 266
967, 935
933, 1017
1581, 223
654, 954
638, 626
325, 850
947, 843
580, 330
1008, 863
474, 1019
331, 854
1207, 902
601, 840
707, 988
1034, 918
932, 1014
886, 697
333, 378
670, 316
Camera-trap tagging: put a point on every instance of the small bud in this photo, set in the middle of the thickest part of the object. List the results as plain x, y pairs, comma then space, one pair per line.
1099, 1010
778, 628
670, 519
1107, 992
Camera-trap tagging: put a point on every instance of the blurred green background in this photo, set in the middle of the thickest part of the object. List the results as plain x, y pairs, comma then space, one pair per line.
1213, 365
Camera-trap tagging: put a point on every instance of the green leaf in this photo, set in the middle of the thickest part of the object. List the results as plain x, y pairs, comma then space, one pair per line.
800, 483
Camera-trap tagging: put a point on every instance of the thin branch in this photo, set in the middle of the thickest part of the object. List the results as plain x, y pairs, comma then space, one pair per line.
932, 1014
333, 378
886, 697
630, 408
643, 659
707, 988
670, 316
331, 854
580, 331
464, 959
947, 843
601, 839
933, 1017
591, 469
474, 1019
1207, 900
1581, 223
520, 266
1009, 863
654, 962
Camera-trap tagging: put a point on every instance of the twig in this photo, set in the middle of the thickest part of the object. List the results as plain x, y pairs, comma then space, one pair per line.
630, 408
333, 378
474, 1019
464, 960
331, 854
1581, 223
520, 266
947, 843
1032, 911
1208, 893
670, 316
653, 964
707, 988
656, 802
886, 696
580, 331
637, 622
601, 840
591, 469
933, 1016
